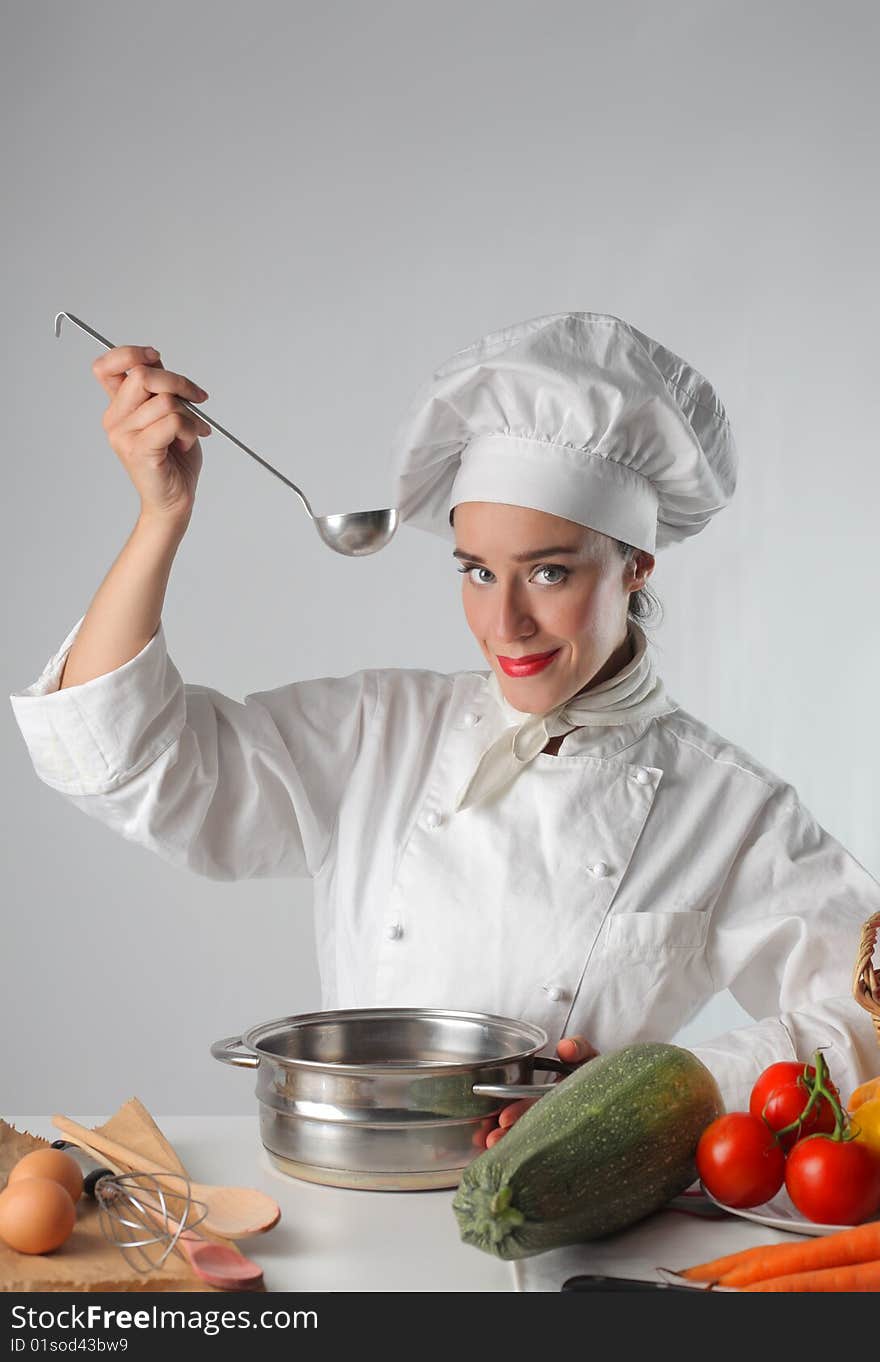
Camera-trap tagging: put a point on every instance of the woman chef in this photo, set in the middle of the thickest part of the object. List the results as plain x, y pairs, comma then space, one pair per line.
553, 839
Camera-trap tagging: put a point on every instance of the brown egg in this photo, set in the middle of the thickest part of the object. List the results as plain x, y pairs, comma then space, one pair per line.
36, 1215
54, 1164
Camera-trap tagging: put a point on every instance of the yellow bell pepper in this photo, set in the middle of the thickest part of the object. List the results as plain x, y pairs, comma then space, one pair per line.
866, 1092
866, 1124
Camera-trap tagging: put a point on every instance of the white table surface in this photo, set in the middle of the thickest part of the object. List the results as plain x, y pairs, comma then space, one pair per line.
333, 1239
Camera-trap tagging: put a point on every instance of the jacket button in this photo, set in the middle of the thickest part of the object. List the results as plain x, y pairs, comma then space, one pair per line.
393, 931
470, 719
601, 869
433, 820
643, 776
554, 992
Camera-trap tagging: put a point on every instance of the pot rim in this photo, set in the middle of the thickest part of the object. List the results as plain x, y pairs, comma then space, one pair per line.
528, 1030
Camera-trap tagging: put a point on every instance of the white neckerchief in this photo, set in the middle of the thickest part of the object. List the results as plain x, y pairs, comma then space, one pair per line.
635, 693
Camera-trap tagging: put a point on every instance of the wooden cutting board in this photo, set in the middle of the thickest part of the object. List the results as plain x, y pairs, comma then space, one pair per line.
88, 1261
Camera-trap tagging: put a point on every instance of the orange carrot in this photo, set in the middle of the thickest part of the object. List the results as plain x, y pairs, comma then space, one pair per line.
854, 1277
858, 1245
715, 1269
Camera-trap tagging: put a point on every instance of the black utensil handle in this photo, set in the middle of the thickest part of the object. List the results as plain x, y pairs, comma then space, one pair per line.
91, 1172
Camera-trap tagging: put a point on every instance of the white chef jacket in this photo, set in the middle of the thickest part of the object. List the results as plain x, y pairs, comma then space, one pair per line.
609, 892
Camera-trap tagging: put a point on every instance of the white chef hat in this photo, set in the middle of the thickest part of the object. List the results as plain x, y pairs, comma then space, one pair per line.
577, 414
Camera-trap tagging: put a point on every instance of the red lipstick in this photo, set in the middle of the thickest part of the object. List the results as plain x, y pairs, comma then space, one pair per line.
526, 666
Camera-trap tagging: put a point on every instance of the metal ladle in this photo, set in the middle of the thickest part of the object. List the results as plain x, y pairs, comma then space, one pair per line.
354, 533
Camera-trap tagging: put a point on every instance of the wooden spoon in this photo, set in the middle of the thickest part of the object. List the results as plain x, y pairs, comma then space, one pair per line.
233, 1212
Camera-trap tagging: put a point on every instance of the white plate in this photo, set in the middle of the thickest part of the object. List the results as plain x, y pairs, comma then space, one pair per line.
781, 1214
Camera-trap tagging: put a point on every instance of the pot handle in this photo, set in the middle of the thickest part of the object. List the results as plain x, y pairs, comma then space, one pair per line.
516, 1090
225, 1051
557, 1065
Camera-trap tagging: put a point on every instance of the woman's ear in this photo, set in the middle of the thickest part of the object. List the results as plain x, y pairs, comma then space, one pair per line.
641, 565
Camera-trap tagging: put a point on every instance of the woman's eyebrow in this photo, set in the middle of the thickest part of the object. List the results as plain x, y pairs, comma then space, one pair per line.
520, 557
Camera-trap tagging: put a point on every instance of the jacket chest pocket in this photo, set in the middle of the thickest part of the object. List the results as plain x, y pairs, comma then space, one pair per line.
649, 976
643, 937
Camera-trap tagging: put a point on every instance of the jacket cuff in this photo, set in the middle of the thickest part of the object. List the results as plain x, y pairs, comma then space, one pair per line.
91, 738
738, 1058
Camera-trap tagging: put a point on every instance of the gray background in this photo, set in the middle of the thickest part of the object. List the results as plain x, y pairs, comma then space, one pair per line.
309, 207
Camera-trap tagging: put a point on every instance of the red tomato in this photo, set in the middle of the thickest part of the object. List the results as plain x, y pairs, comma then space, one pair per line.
780, 1095
775, 1077
779, 1076
739, 1160
785, 1105
834, 1182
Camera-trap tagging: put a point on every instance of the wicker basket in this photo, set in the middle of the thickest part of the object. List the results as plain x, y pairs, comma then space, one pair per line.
866, 979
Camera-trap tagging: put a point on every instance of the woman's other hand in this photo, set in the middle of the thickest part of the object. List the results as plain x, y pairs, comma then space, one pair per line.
152, 434
574, 1050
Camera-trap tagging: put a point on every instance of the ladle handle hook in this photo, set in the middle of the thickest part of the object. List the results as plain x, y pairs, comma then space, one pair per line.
197, 411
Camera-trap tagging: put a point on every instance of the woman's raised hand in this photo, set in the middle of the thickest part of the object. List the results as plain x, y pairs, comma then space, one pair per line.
574, 1050
152, 434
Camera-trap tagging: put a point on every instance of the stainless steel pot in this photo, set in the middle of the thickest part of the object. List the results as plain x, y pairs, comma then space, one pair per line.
385, 1098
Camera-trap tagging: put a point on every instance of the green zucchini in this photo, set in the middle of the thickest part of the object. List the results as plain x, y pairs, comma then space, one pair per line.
605, 1147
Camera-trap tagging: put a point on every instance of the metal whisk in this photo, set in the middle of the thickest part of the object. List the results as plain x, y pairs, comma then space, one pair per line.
143, 1219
